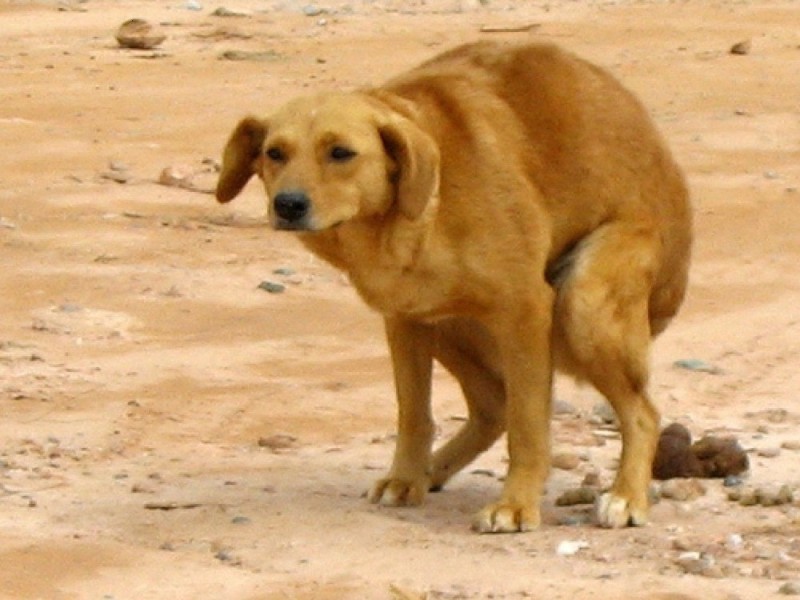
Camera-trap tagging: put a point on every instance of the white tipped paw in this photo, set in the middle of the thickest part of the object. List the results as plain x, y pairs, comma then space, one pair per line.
392, 491
616, 511
506, 518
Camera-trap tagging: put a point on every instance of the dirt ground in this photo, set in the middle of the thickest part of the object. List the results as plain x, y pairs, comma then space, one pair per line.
170, 430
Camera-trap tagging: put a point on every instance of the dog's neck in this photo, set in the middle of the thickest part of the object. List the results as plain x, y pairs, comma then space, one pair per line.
375, 251
376, 241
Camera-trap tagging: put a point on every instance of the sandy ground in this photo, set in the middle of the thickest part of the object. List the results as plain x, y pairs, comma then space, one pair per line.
170, 430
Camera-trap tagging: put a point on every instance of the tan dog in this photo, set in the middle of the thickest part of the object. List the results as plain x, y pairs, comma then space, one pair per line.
509, 210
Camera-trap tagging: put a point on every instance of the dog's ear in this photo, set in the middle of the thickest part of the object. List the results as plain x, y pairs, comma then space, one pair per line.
416, 164
241, 157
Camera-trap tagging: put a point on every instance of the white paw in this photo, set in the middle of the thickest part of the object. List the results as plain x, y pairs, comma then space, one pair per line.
615, 511
398, 492
506, 518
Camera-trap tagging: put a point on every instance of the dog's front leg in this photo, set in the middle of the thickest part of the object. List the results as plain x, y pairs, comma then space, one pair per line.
523, 339
411, 346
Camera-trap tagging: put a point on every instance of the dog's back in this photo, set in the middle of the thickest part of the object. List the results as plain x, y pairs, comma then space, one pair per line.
585, 142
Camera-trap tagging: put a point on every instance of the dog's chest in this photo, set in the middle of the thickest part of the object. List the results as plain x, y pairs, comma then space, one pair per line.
415, 293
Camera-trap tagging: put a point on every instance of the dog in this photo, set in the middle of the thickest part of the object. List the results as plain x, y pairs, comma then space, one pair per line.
510, 211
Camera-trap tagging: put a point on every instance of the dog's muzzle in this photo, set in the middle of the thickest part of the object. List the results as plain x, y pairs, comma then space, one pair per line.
292, 210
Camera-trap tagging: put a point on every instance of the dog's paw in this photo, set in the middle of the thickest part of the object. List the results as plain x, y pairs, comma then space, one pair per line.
392, 491
615, 511
506, 517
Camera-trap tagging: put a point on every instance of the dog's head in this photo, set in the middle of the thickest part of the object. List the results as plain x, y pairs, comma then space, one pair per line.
329, 159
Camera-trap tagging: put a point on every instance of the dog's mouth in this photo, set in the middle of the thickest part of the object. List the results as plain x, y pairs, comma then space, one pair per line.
304, 225
287, 225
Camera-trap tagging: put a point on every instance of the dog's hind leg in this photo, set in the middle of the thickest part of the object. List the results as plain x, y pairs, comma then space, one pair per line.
485, 396
602, 319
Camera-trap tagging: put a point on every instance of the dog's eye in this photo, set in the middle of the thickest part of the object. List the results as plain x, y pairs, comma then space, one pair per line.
341, 154
275, 154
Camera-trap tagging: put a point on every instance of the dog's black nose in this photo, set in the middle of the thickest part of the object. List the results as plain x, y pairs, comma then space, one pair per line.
291, 206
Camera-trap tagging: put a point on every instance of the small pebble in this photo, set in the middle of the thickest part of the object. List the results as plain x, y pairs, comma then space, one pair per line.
570, 547
240, 520
696, 365
605, 412
576, 496
224, 555
790, 588
745, 498
483, 472
180, 176
734, 541
695, 563
139, 34
226, 12
566, 461
682, 490
272, 287
577, 520
732, 481
768, 452
277, 442
741, 48
591, 479
312, 10
562, 407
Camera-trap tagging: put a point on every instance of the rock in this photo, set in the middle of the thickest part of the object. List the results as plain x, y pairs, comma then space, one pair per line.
116, 165
696, 365
139, 34
570, 547
577, 496
266, 55
741, 48
272, 287
773, 497
277, 442
790, 588
484, 473
576, 520
732, 481
566, 461
695, 563
763, 496
734, 542
226, 12
591, 479
561, 407
768, 452
682, 490
605, 413
116, 176
177, 176
312, 10
792, 445
746, 498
